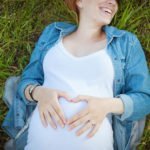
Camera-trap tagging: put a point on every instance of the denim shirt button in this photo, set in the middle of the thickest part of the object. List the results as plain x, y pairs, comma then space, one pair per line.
17, 114
118, 80
42, 42
115, 58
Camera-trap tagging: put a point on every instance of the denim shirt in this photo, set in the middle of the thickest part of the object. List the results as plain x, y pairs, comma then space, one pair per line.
131, 82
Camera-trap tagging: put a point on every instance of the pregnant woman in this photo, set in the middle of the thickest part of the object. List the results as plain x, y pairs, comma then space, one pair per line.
78, 64
89, 82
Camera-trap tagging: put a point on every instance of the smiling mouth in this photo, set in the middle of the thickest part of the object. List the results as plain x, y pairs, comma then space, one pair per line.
106, 10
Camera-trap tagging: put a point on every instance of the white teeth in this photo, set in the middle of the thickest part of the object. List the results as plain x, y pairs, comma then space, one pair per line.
107, 10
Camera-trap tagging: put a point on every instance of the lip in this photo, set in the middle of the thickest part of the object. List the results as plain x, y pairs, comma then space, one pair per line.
106, 10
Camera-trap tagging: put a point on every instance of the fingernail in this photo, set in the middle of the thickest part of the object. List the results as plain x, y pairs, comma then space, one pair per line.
45, 125
64, 121
71, 99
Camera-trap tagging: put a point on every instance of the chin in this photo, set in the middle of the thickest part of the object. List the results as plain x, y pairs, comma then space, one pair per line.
105, 22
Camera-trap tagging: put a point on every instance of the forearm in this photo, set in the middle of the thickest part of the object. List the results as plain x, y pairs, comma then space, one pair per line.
116, 106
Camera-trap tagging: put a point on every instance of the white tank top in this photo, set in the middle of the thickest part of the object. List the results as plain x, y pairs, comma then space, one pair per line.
91, 75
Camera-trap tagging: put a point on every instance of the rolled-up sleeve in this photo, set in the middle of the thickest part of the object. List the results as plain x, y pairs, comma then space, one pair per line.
136, 96
33, 72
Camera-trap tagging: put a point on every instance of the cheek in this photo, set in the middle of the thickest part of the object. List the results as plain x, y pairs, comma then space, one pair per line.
117, 7
90, 12
115, 11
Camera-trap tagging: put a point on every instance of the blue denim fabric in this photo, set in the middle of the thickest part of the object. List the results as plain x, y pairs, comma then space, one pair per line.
131, 83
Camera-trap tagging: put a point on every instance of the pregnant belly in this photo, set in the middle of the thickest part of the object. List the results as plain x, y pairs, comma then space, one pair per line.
40, 137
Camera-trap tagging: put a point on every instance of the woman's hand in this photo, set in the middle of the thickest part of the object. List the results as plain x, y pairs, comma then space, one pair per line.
91, 116
49, 106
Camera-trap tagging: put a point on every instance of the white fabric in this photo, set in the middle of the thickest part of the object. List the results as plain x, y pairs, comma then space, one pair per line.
87, 75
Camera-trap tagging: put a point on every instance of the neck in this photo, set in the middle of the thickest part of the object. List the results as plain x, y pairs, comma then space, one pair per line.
89, 32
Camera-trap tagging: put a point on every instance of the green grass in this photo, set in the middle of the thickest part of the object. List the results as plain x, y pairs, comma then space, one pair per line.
21, 23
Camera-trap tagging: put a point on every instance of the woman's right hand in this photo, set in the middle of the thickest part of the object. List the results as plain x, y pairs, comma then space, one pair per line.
49, 106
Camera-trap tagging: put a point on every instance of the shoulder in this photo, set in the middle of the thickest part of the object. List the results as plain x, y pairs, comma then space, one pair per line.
123, 35
119, 33
59, 25
52, 27
126, 42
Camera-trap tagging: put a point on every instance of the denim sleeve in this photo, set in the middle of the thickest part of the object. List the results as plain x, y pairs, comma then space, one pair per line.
136, 98
33, 72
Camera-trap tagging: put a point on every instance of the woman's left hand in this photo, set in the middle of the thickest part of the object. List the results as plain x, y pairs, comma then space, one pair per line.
91, 116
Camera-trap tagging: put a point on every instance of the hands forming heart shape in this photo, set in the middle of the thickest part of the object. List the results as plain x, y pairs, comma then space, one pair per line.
87, 110
91, 111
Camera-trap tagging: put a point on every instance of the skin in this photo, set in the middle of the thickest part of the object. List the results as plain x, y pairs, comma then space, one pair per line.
48, 105
96, 110
89, 32
88, 36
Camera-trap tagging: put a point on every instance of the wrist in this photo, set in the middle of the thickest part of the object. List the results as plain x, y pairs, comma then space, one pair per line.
36, 93
116, 106
32, 88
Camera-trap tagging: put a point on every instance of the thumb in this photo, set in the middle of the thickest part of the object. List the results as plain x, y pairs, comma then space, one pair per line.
80, 98
65, 95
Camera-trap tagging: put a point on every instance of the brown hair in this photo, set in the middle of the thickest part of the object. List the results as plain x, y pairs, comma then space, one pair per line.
72, 6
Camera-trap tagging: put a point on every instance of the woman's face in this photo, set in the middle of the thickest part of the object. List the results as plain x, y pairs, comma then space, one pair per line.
100, 11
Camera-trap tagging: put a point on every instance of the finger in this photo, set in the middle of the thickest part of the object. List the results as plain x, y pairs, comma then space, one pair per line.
80, 98
42, 117
55, 115
86, 127
59, 111
94, 131
78, 116
64, 94
49, 119
78, 122
43, 120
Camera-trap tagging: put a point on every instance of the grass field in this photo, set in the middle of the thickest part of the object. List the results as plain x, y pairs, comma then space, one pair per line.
21, 22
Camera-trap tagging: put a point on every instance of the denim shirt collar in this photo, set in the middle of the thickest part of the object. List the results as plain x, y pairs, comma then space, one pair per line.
110, 31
